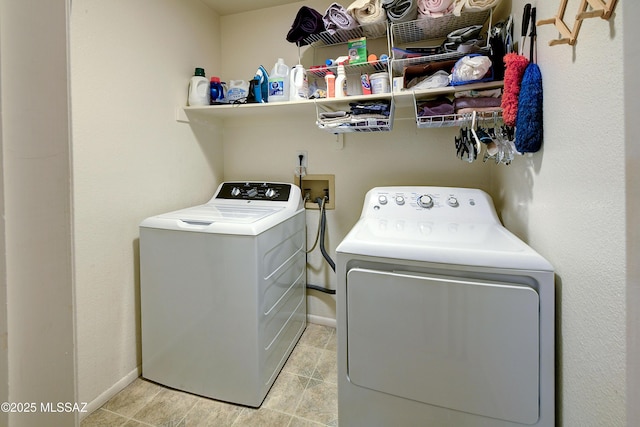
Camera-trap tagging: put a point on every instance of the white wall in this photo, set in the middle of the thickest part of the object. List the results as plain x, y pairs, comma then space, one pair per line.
38, 349
568, 202
131, 63
632, 111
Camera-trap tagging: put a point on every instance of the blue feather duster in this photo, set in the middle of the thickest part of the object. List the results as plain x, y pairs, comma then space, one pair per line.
529, 118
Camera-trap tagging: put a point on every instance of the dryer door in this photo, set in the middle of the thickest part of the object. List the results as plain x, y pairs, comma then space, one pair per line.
466, 345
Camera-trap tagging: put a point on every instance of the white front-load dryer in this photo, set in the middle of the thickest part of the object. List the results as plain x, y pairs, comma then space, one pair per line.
222, 289
445, 318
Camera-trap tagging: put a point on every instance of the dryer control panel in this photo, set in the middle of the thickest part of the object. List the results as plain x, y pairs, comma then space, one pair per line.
441, 203
277, 192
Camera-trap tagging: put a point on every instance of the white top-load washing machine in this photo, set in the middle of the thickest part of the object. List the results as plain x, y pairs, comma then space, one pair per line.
445, 318
222, 289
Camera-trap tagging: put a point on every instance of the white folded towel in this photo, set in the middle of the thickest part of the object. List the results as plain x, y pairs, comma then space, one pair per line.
471, 5
367, 12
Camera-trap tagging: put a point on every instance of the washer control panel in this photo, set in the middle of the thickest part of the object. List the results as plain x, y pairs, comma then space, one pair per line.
448, 203
277, 192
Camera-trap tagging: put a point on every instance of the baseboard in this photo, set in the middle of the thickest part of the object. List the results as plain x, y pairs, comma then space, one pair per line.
319, 320
109, 393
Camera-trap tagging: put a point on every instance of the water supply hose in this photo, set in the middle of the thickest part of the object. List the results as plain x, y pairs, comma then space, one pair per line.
323, 224
321, 230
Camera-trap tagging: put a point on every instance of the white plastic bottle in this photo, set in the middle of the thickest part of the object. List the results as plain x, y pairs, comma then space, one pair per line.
198, 88
299, 84
341, 82
279, 82
330, 79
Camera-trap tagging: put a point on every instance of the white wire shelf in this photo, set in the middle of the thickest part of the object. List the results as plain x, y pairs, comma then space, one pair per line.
427, 28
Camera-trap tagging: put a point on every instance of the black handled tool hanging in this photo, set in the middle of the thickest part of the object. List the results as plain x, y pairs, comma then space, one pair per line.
529, 129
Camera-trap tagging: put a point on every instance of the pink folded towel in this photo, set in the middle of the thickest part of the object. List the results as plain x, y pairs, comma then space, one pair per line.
435, 8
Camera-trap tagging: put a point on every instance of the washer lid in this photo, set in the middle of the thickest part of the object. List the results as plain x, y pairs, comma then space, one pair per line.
218, 213
216, 219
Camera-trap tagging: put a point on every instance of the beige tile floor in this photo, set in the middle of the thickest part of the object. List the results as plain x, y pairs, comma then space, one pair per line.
303, 395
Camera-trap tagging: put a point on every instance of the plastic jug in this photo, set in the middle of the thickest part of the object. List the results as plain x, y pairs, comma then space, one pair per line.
341, 82
330, 79
299, 84
238, 91
279, 82
198, 88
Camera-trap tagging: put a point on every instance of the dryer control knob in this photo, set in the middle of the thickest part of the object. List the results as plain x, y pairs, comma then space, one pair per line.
400, 200
382, 199
453, 202
270, 193
425, 201
235, 192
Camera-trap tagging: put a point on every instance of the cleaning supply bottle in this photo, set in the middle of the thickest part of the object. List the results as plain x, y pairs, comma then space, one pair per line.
341, 82
279, 82
198, 88
215, 91
330, 79
299, 84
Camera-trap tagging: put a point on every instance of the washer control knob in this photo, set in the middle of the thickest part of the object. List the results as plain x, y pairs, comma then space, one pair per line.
453, 202
400, 200
270, 193
252, 192
235, 191
425, 201
382, 199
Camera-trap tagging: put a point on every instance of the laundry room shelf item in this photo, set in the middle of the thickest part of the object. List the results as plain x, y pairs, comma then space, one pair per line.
447, 120
426, 29
403, 105
341, 116
327, 38
356, 69
456, 120
587, 9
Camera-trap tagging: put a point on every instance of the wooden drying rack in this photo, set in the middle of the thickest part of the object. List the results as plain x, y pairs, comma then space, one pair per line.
588, 9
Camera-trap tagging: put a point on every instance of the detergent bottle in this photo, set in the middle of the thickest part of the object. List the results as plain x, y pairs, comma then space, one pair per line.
198, 88
216, 91
330, 79
299, 84
279, 82
341, 82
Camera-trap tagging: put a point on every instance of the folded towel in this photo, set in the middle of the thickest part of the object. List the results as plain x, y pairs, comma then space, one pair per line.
401, 10
484, 102
436, 107
479, 110
308, 21
337, 18
367, 12
494, 93
471, 5
435, 8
